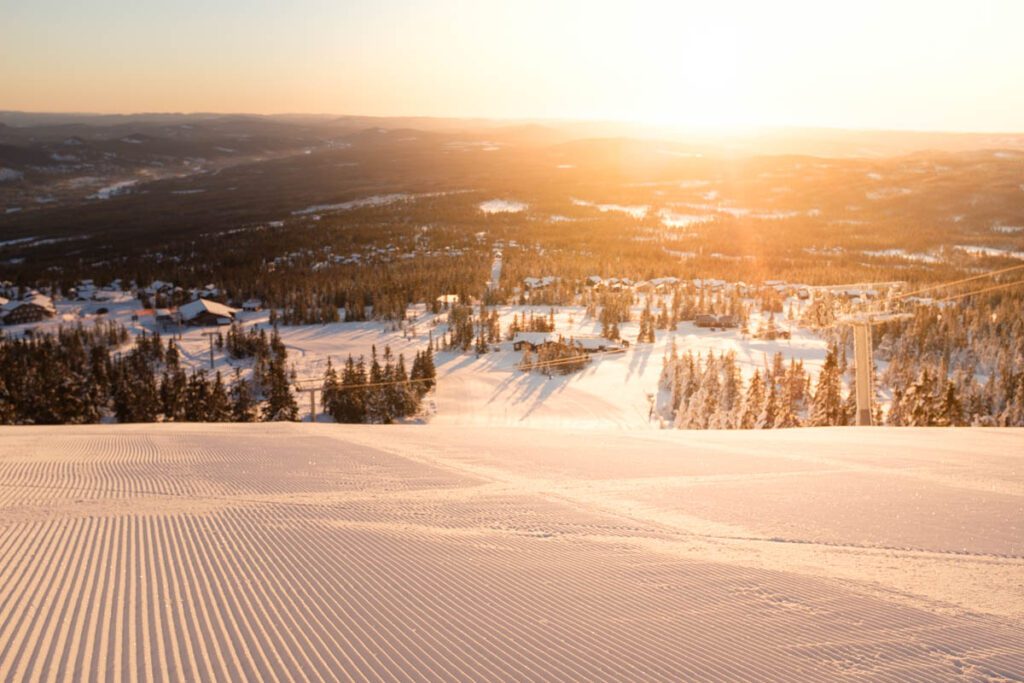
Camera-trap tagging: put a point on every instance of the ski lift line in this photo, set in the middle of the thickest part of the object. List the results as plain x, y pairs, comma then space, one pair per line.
959, 282
372, 384
992, 288
544, 364
567, 361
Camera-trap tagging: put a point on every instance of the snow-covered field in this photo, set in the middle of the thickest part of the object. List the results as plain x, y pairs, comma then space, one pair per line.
449, 552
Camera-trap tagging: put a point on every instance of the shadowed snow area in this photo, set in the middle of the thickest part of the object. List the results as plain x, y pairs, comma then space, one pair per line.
458, 552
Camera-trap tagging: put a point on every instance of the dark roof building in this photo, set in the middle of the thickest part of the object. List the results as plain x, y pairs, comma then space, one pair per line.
31, 310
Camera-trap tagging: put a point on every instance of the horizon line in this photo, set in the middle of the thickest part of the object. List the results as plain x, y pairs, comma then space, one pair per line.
735, 128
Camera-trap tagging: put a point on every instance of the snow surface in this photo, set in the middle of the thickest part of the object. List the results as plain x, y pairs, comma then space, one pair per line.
638, 211
903, 254
9, 174
375, 200
502, 206
123, 187
975, 250
671, 219
438, 552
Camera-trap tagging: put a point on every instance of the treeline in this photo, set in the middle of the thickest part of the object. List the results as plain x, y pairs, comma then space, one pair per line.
81, 376
378, 393
710, 393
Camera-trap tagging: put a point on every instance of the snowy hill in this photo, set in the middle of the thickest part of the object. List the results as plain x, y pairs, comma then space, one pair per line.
450, 552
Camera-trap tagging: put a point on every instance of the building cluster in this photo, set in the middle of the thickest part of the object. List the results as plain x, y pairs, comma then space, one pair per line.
535, 341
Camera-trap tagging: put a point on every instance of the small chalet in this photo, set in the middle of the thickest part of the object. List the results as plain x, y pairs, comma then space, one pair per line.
252, 305
532, 340
164, 317
31, 310
705, 320
206, 312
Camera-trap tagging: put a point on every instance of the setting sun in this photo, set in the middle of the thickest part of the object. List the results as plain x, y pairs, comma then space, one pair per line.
874, 64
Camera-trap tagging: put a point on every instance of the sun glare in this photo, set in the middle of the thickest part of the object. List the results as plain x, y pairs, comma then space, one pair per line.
693, 74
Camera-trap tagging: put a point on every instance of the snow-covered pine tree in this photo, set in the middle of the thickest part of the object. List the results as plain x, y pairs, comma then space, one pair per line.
827, 404
243, 404
218, 408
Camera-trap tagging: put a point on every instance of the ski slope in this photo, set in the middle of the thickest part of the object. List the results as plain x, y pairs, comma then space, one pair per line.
464, 552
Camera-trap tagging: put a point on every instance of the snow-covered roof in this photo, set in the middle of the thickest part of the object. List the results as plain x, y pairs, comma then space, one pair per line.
40, 300
594, 343
199, 306
534, 338
539, 282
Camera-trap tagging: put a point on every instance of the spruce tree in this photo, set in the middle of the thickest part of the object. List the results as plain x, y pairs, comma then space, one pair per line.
243, 404
753, 404
218, 407
331, 389
827, 405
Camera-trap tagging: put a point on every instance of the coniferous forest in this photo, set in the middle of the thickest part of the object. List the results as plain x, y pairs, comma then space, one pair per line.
82, 376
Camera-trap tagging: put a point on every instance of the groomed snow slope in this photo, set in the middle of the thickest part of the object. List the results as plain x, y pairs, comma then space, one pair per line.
448, 552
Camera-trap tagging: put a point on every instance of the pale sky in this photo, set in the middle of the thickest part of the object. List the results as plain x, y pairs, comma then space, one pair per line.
938, 65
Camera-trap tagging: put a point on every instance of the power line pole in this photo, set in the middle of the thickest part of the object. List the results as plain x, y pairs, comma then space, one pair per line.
211, 335
309, 385
312, 399
864, 371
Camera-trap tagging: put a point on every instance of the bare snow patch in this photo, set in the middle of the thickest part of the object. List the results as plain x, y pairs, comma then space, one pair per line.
888, 193
671, 219
375, 200
9, 174
975, 250
637, 211
502, 206
123, 187
903, 254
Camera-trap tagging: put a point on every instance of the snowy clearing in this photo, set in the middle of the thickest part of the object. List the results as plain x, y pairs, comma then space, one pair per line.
502, 206
671, 219
975, 250
375, 200
268, 552
637, 212
123, 187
